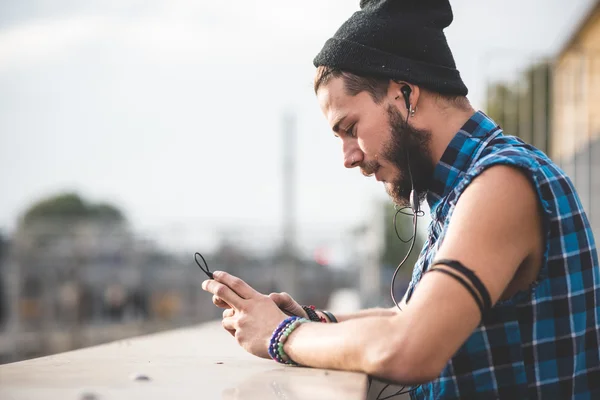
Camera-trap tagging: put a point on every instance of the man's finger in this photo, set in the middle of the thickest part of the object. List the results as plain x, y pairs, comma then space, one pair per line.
223, 292
217, 301
236, 284
228, 313
230, 324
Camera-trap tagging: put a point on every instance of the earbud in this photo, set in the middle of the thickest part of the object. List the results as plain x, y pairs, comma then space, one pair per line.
406, 91
414, 199
414, 202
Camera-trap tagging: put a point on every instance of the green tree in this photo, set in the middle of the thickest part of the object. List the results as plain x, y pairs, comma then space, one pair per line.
69, 207
523, 108
497, 95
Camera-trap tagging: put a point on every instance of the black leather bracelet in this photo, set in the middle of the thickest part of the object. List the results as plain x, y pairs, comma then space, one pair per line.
329, 315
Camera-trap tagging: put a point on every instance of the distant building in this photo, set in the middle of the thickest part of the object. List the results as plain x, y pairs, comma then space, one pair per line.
63, 263
575, 137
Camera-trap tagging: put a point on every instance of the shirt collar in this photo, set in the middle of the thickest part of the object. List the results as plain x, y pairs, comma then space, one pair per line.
459, 155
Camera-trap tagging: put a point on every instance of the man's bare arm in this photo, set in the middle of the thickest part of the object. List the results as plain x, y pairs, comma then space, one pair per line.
372, 312
287, 304
491, 236
369, 312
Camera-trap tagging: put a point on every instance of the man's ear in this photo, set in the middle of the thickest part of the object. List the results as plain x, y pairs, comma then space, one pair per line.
397, 93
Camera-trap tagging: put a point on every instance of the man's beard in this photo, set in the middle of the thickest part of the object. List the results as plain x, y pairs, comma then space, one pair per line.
406, 144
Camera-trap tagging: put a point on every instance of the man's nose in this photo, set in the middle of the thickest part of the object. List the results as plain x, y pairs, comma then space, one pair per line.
352, 156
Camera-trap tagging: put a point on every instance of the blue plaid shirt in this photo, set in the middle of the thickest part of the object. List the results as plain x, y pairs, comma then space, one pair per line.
542, 343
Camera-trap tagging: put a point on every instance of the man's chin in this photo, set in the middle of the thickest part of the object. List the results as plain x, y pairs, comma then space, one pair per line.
396, 195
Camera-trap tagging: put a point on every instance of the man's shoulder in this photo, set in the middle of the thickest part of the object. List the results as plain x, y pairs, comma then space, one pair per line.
512, 150
510, 157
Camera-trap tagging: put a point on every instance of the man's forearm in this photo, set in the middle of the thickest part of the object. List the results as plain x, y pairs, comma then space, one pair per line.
371, 312
371, 345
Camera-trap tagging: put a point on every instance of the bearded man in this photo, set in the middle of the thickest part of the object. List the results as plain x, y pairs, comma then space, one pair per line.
504, 299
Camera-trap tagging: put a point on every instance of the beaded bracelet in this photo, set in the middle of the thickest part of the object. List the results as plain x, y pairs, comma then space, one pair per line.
280, 335
274, 342
283, 357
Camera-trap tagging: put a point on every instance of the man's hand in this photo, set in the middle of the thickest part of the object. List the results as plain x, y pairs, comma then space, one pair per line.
284, 301
252, 316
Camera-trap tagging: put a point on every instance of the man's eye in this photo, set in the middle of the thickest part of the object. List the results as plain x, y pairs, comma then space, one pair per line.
351, 131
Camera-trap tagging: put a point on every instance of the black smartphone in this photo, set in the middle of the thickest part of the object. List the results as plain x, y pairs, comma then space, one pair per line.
205, 267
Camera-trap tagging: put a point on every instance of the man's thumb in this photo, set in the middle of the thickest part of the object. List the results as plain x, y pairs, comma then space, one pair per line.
281, 299
286, 303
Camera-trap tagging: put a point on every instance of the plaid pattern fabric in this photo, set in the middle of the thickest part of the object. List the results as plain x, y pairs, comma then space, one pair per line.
542, 343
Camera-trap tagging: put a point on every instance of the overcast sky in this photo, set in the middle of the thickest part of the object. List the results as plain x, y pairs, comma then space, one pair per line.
173, 109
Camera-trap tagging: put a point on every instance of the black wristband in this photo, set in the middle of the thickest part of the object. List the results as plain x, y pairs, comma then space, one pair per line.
312, 314
329, 316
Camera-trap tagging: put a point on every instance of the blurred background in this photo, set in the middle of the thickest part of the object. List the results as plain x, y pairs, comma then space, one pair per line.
134, 133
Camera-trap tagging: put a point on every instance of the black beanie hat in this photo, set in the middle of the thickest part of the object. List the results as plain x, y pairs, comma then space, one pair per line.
397, 39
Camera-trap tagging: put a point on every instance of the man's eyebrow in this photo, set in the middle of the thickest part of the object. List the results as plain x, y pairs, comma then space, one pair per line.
336, 126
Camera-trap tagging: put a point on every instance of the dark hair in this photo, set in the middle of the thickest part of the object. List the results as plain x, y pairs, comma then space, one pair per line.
376, 87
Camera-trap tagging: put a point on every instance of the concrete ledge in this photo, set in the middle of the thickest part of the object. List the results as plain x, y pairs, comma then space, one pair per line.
197, 363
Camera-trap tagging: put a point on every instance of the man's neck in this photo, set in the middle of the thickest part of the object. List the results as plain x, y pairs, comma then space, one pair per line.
444, 126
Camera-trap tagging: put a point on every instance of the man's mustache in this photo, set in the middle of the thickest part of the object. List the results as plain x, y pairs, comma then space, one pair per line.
369, 168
